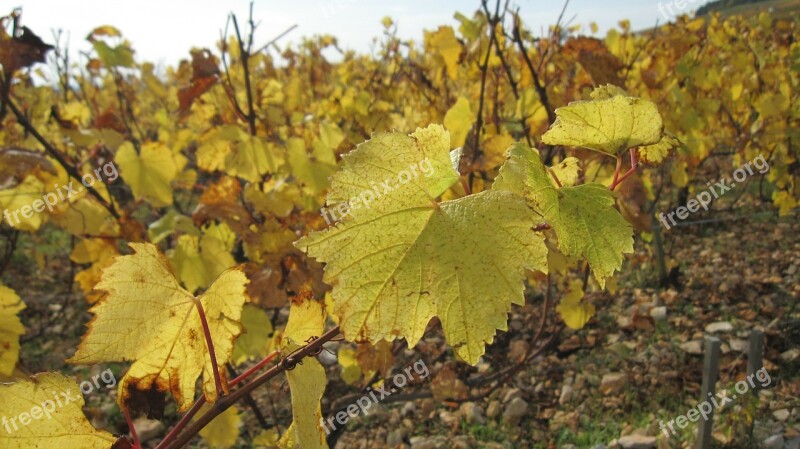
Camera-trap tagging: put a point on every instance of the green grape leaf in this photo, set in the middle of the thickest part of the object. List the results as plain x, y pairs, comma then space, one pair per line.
610, 123
583, 216
407, 258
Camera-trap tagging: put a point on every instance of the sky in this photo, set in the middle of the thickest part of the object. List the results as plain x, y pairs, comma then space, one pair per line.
164, 31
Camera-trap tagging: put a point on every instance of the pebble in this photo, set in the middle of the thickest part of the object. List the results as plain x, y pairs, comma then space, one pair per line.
494, 409
613, 383
514, 411
719, 326
659, 313
781, 415
694, 347
773, 442
637, 442
472, 413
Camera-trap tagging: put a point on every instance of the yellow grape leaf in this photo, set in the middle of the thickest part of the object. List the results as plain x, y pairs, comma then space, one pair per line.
306, 320
607, 91
17, 204
307, 383
458, 120
46, 411
308, 169
276, 197
98, 252
146, 317
612, 123
150, 173
572, 309
444, 43
679, 176
86, 216
583, 216
10, 329
785, 201
173, 221
268, 438
494, 150
330, 136
199, 260
567, 171
254, 342
351, 370
250, 158
237, 153
772, 105
407, 258
222, 431
307, 380
657, 153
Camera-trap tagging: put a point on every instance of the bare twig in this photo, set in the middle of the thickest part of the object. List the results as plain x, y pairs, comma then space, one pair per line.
55, 154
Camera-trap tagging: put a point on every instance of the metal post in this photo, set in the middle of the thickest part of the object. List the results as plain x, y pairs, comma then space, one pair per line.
710, 373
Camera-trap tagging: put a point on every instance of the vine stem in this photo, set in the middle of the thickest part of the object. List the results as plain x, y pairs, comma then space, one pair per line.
202, 401
183, 422
132, 429
211, 352
225, 402
617, 178
255, 368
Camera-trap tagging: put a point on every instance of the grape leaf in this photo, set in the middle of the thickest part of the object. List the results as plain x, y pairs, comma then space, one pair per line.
17, 201
147, 318
98, 252
311, 171
572, 309
307, 380
350, 369
658, 152
255, 341
443, 42
610, 123
10, 329
237, 153
567, 171
46, 411
22, 50
197, 261
458, 121
148, 173
583, 216
406, 258
222, 431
